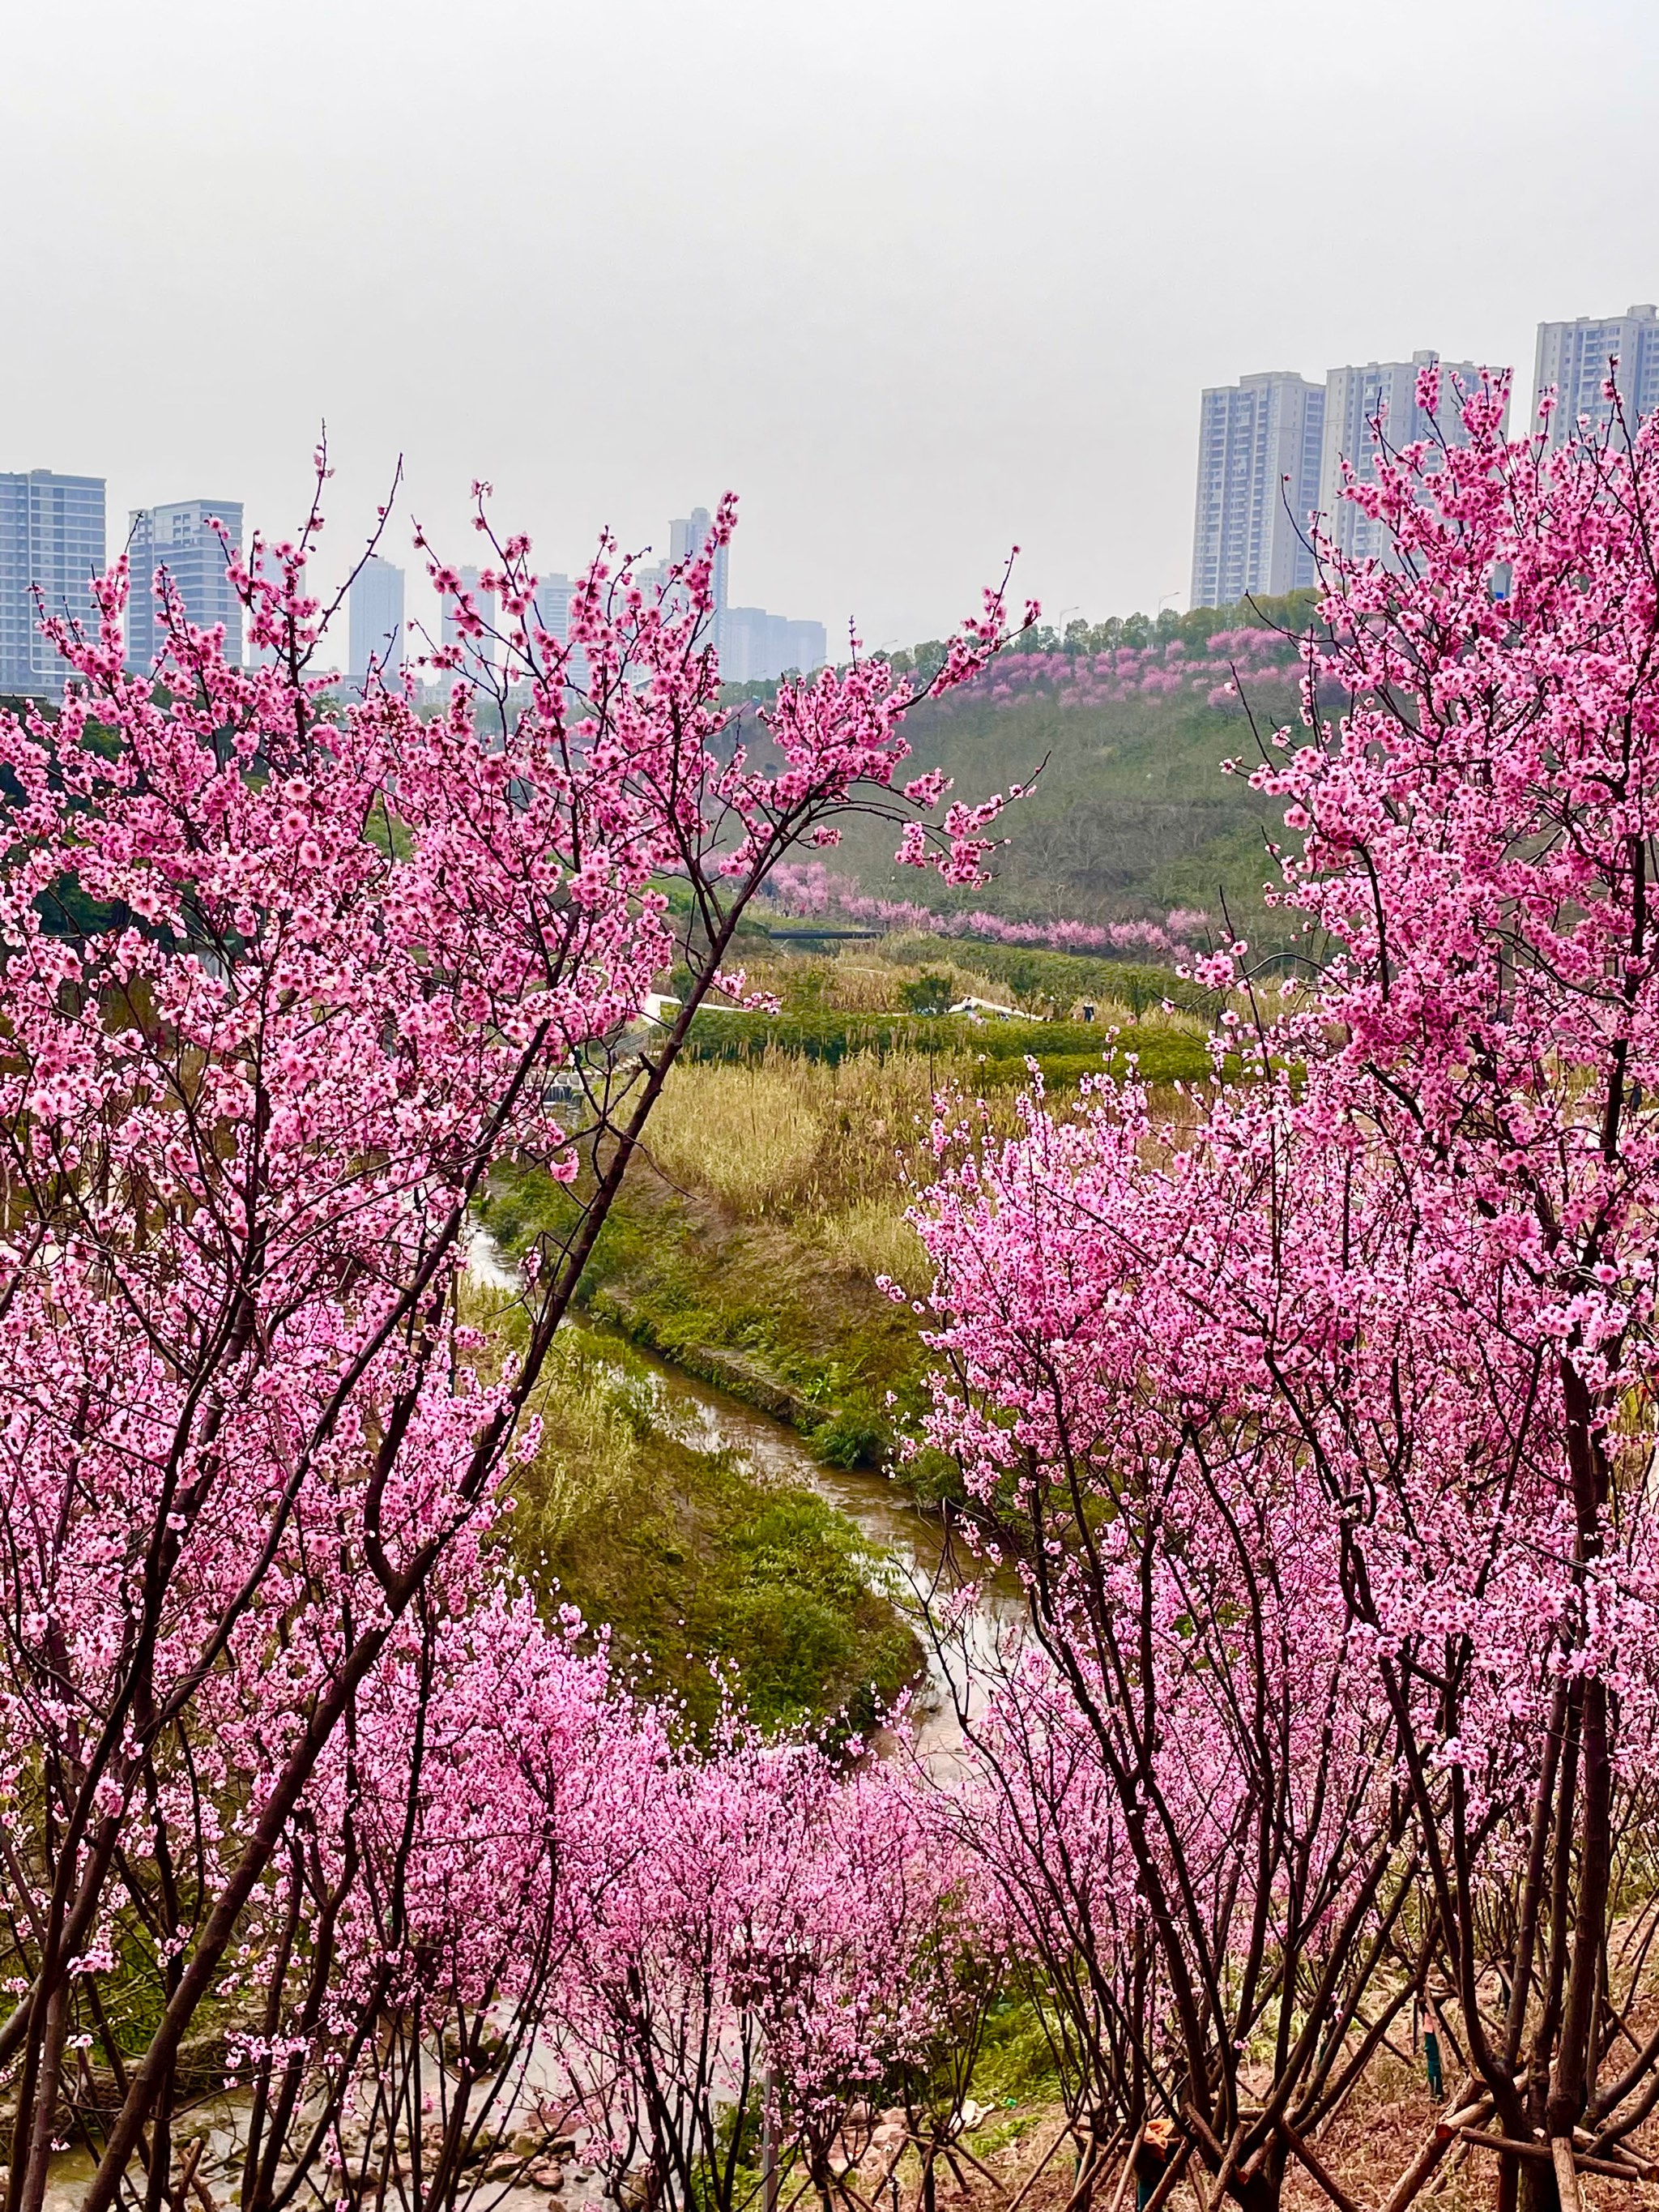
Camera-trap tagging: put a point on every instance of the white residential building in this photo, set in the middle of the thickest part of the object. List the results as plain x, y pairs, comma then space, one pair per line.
477, 652
761, 646
181, 538
51, 540
1359, 399
376, 626
552, 606
1258, 447
687, 536
1575, 358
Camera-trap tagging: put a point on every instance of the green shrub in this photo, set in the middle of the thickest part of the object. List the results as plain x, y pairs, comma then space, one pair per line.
850, 1439
1065, 1050
926, 994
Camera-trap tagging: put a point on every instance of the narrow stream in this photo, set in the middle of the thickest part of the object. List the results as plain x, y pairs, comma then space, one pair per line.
926, 1563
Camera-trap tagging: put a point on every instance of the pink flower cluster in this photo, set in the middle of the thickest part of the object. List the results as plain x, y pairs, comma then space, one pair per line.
1154, 671
810, 888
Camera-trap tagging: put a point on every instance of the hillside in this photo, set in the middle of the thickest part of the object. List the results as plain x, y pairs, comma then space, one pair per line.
1132, 815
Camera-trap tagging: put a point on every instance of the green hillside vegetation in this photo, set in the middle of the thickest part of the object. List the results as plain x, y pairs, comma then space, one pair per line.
1132, 815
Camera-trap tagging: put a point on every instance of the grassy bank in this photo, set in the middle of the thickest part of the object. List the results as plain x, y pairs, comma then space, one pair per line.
702, 1570
750, 1237
749, 1242
746, 1244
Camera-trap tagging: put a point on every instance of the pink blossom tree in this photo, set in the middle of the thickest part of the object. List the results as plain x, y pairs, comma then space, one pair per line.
396, 1991
1341, 1379
284, 980
1030, 1807
1185, 1589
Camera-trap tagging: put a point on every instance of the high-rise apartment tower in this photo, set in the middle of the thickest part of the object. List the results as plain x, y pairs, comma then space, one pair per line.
269, 569
687, 536
1575, 358
1357, 399
1259, 446
761, 646
377, 620
552, 607
477, 651
51, 540
178, 537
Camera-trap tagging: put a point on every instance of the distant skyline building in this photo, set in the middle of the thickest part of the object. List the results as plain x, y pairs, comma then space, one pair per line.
266, 566
687, 536
376, 620
809, 646
52, 538
1356, 398
753, 645
1574, 357
760, 646
478, 650
552, 606
1260, 442
177, 537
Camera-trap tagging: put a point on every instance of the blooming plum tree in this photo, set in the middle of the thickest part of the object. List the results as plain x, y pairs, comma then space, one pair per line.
1339, 1382
284, 978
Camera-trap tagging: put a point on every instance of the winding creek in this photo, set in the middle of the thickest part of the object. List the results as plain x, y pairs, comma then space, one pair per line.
925, 1566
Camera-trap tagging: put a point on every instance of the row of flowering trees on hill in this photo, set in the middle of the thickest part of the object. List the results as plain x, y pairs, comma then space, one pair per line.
1319, 1411
811, 888
281, 982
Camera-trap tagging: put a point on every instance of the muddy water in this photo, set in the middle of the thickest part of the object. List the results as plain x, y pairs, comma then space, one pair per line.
963, 1616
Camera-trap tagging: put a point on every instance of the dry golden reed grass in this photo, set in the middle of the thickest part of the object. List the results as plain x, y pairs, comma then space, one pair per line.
832, 1151
785, 1136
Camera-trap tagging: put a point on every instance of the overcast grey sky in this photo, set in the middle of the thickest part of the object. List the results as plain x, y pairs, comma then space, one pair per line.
918, 278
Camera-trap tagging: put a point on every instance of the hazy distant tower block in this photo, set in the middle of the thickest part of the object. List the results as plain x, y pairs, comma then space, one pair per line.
687, 536
807, 647
1356, 398
552, 604
478, 651
1259, 445
760, 646
377, 620
1574, 358
178, 538
752, 644
269, 569
51, 536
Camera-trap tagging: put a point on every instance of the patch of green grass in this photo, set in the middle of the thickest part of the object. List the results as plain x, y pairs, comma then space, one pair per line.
708, 1576
1000, 1049
1016, 2060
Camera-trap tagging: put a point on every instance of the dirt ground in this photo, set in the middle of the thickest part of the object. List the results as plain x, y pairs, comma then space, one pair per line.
1365, 2147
